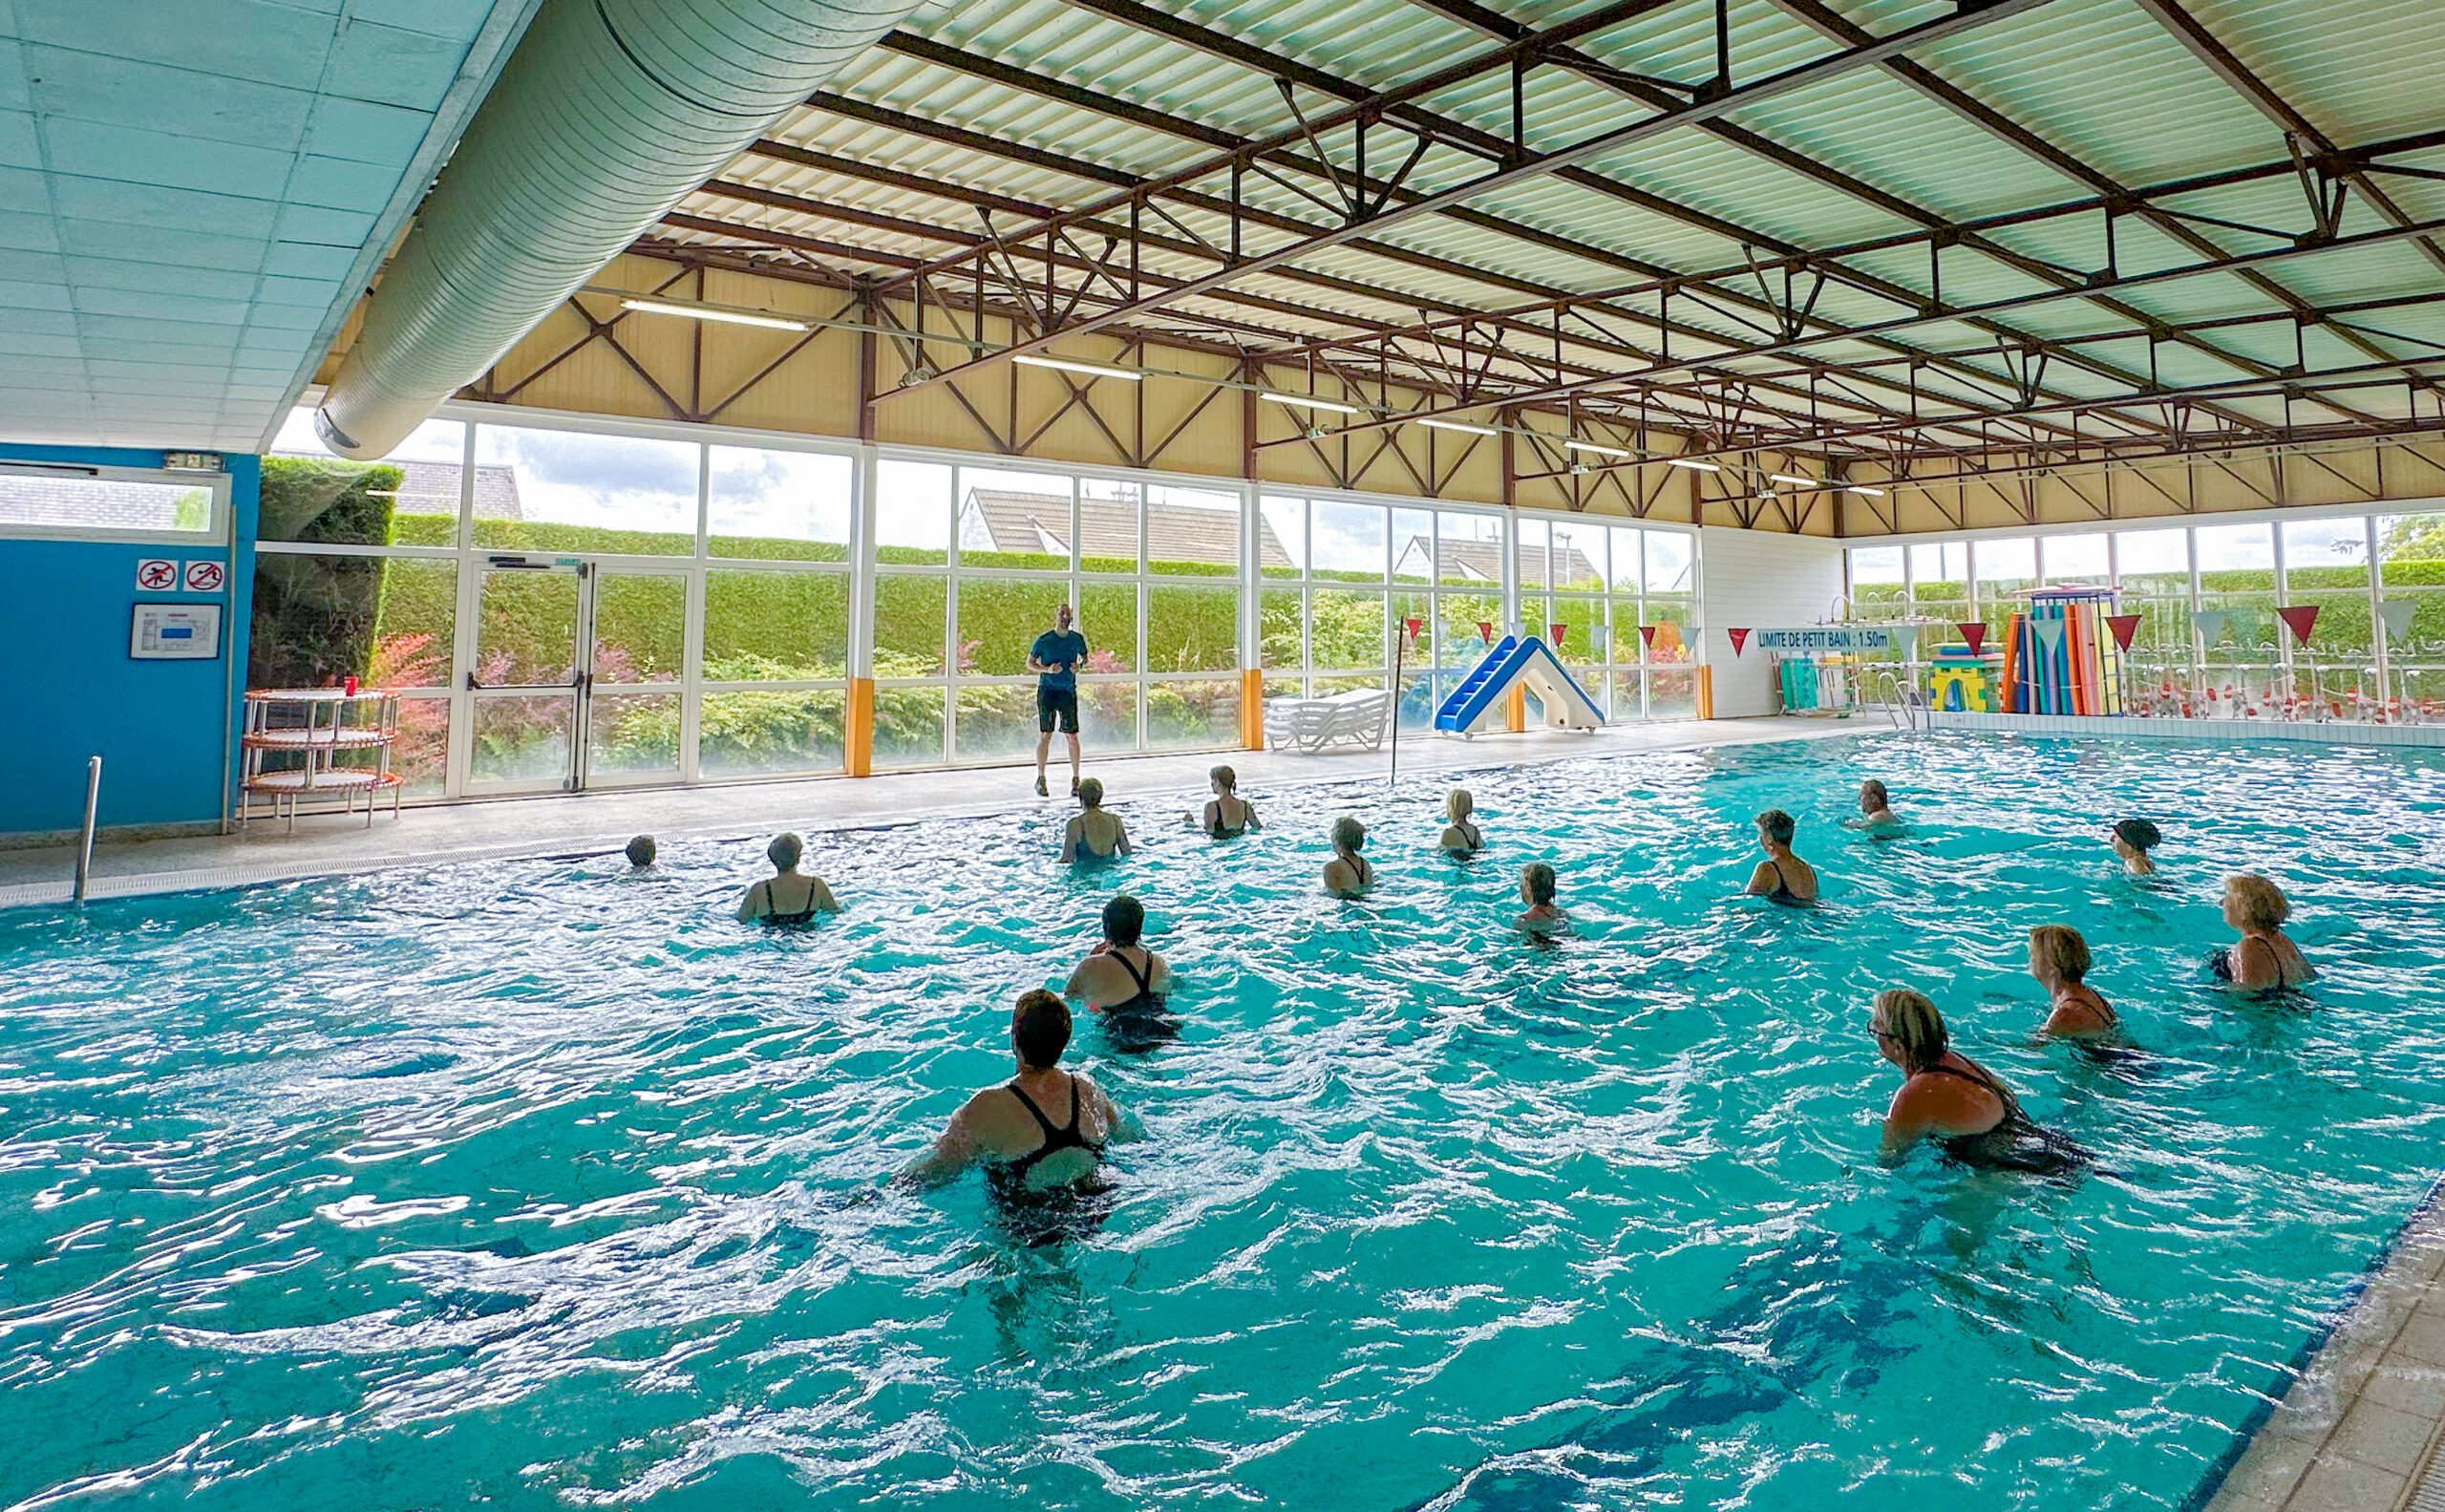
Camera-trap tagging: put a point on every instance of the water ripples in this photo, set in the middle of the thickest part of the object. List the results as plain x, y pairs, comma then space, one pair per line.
549, 1184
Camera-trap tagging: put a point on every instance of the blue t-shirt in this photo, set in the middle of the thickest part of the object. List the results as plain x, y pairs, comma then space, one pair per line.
1062, 650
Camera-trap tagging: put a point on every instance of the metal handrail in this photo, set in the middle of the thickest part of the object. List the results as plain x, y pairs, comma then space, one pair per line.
85, 844
1898, 708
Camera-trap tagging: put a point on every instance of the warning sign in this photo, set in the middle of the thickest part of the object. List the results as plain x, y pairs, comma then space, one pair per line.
153, 575
203, 577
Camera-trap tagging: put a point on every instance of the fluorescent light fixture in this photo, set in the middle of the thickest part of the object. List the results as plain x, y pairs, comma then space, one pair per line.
1693, 464
732, 317
1786, 478
381, 493
1857, 488
1455, 425
1301, 401
1592, 447
1091, 370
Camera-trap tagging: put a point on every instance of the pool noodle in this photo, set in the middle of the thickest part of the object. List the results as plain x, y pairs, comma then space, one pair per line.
2013, 702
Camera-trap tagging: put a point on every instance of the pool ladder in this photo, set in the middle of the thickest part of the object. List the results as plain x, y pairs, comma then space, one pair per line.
1888, 693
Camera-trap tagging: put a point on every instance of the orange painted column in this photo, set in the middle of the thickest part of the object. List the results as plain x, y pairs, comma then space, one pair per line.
1705, 693
1251, 709
1514, 709
857, 731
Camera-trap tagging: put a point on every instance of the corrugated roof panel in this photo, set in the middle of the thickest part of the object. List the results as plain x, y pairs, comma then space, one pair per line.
1736, 185
2102, 80
2340, 66
1877, 128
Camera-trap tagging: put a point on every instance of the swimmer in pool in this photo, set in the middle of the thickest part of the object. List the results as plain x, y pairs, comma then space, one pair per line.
2264, 958
2059, 959
1041, 1131
1461, 837
1122, 975
1950, 1098
1227, 815
789, 896
1097, 833
1876, 810
1782, 877
1537, 891
1347, 875
640, 852
2133, 839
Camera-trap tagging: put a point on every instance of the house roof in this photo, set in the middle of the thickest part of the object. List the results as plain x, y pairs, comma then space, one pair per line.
1010, 521
1481, 561
432, 488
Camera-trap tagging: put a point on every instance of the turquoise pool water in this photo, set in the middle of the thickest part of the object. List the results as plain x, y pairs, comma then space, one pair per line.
534, 1185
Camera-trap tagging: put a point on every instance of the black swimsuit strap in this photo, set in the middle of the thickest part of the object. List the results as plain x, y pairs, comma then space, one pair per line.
1978, 1076
1051, 1133
1136, 975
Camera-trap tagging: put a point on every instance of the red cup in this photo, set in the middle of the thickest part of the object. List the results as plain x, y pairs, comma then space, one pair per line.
350, 688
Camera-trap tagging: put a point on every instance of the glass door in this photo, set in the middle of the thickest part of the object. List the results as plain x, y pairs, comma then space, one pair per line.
524, 689
635, 647
577, 677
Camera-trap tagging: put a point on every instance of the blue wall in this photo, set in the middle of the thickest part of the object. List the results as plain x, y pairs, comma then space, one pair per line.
165, 729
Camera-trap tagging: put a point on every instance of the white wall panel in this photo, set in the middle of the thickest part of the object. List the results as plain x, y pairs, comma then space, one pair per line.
1750, 580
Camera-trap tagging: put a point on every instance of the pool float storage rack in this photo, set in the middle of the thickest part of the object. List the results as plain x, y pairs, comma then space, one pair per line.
340, 740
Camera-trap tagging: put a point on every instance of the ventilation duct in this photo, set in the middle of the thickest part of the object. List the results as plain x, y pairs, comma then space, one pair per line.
607, 115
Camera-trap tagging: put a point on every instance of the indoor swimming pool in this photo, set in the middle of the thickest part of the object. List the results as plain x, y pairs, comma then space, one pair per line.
543, 1184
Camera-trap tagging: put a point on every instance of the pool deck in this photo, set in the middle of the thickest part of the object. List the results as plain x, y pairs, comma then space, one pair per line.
601, 821
2359, 1430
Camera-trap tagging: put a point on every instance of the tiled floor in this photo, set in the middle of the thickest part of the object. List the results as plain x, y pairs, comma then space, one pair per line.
2359, 1430
602, 822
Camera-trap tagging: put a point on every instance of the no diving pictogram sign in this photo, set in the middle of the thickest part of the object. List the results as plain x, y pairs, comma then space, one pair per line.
153, 575
203, 577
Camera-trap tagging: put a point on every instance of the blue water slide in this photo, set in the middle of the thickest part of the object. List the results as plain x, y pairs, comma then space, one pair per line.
1513, 663
1485, 683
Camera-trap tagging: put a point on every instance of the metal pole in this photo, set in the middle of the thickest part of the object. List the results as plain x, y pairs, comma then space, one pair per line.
85, 844
1400, 644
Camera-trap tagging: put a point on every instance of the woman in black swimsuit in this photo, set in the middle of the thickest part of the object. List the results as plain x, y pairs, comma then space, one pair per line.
1042, 1131
1781, 877
1347, 875
1950, 1098
1125, 982
789, 897
1462, 835
1227, 815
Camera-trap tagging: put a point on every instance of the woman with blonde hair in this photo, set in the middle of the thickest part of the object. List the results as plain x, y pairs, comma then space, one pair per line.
2059, 959
2263, 959
1950, 1098
1347, 875
1227, 815
1096, 833
1462, 835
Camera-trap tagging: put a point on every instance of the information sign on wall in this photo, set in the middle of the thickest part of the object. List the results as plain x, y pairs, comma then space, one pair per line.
175, 632
1828, 638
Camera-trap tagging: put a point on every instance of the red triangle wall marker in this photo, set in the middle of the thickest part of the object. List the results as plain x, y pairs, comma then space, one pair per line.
1739, 640
1647, 633
1975, 636
2124, 626
2302, 617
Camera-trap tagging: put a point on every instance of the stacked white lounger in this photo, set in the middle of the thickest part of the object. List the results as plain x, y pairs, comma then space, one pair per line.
1312, 724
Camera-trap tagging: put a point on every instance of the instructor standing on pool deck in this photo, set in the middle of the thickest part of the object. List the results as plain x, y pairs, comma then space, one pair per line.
1055, 659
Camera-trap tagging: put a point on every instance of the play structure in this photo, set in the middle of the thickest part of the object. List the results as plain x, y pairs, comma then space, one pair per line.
1965, 681
1524, 663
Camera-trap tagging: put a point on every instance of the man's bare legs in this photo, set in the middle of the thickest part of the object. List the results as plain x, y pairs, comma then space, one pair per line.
1044, 748
1073, 761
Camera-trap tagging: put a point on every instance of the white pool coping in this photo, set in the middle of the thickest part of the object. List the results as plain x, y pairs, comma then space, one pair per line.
2334, 733
600, 822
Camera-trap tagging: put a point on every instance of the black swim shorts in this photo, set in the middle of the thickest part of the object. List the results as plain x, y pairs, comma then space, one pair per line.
1060, 701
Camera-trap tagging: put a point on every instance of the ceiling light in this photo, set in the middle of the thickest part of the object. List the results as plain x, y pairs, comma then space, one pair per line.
1455, 425
1091, 370
1600, 451
734, 317
1855, 488
1786, 478
1694, 463
381, 493
1304, 402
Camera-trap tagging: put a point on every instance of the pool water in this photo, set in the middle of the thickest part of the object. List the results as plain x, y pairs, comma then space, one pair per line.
536, 1184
